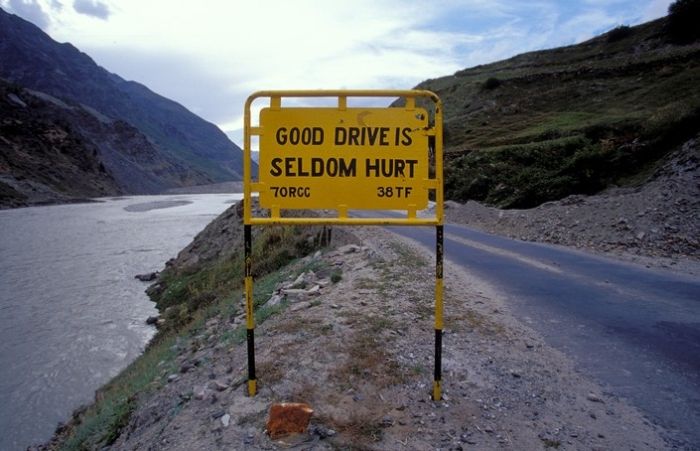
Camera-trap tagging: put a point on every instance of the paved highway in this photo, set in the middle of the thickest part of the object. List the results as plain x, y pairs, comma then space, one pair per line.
635, 330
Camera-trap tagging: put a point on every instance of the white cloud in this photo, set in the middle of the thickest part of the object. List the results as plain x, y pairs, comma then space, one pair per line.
93, 8
587, 25
655, 9
211, 55
30, 10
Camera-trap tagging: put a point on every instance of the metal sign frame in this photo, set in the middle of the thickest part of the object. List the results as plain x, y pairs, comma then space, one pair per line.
433, 182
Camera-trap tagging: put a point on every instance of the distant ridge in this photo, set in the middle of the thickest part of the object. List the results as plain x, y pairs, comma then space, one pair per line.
182, 149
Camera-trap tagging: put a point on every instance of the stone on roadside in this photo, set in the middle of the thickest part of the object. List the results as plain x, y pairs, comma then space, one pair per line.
217, 385
225, 420
300, 306
274, 300
594, 398
321, 431
348, 249
147, 277
298, 294
299, 280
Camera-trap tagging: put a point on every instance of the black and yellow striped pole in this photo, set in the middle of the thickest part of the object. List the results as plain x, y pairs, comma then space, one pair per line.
437, 379
249, 313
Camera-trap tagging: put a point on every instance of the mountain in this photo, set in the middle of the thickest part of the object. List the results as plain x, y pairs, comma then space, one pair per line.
42, 157
572, 120
191, 151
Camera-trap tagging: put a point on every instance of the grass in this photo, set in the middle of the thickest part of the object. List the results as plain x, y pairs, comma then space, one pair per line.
550, 443
102, 422
365, 360
361, 428
407, 255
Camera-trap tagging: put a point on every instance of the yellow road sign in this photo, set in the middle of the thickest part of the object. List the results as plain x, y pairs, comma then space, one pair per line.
343, 158
362, 158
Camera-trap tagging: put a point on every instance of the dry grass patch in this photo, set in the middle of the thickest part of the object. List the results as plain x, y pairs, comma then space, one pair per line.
475, 321
366, 283
270, 370
359, 430
367, 362
292, 326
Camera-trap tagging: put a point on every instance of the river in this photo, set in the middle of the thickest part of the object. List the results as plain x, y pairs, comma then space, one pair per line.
72, 316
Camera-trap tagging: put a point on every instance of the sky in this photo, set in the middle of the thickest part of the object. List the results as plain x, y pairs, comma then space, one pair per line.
210, 55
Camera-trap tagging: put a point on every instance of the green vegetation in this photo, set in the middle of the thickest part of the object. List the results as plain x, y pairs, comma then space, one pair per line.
183, 293
573, 120
683, 21
492, 83
619, 33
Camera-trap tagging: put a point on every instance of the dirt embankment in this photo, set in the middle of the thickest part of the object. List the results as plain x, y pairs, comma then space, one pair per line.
354, 339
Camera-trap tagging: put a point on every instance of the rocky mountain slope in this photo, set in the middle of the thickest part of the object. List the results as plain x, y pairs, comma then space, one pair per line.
56, 151
43, 158
572, 120
192, 151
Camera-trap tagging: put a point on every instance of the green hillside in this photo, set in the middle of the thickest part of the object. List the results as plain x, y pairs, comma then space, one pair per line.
572, 120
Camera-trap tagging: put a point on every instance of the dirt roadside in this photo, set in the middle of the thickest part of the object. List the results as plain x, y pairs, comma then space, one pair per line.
360, 352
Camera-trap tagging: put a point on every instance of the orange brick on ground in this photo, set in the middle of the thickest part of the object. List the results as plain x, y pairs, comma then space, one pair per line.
288, 418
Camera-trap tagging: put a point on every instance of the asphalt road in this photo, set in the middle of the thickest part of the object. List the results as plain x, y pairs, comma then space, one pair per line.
635, 330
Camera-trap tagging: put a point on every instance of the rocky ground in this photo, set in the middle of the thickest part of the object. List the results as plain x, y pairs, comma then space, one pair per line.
656, 223
354, 339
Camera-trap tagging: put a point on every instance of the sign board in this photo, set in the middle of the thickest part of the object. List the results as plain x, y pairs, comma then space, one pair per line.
340, 158
344, 157
357, 158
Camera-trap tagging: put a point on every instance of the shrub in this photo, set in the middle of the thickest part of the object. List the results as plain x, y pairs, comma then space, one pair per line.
619, 33
491, 83
683, 18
